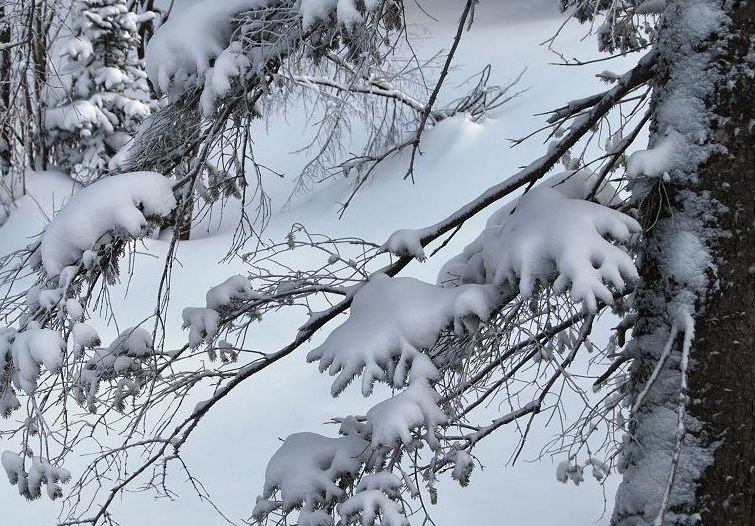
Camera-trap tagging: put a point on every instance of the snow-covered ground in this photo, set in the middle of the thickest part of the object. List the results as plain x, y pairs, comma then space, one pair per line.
460, 159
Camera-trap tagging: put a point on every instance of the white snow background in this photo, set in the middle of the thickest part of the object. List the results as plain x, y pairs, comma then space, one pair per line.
460, 159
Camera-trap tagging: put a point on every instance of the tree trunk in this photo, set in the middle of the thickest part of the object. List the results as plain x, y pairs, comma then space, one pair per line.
5, 80
689, 458
722, 383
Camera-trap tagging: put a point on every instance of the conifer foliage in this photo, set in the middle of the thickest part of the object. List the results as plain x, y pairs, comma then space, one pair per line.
103, 93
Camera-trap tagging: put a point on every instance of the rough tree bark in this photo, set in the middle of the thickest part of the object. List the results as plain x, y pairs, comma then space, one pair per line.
690, 455
722, 382
5, 130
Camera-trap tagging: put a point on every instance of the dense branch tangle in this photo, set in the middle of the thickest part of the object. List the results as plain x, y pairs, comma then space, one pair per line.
525, 356
520, 353
528, 351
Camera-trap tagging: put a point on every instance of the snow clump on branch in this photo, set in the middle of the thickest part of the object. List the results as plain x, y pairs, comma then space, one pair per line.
127, 361
22, 355
40, 472
554, 236
112, 207
203, 322
308, 469
177, 60
401, 317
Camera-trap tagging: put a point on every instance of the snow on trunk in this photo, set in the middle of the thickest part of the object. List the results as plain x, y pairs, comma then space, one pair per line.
663, 456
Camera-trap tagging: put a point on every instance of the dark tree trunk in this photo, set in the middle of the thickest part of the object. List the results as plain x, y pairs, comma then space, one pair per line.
702, 473
722, 382
6, 134
146, 29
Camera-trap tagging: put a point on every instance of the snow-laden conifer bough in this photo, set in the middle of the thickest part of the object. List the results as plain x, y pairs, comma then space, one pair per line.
100, 94
505, 319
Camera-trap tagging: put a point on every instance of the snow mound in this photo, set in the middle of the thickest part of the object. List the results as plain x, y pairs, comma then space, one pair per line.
391, 320
113, 206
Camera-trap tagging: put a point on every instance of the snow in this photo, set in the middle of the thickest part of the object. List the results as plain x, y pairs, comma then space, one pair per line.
569, 471
403, 316
651, 7
202, 324
77, 49
115, 206
13, 465
463, 466
231, 290
49, 299
80, 116
8, 400
122, 360
74, 310
84, 336
307, 467
123, 355
31, 349
177, 59
656, 161
40, 472
229, 63
664, 456
405, 242
458, 162
111, 77
551, 235
99, 93
468, 267
313, 11
392, 420
305, 473
369, 504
